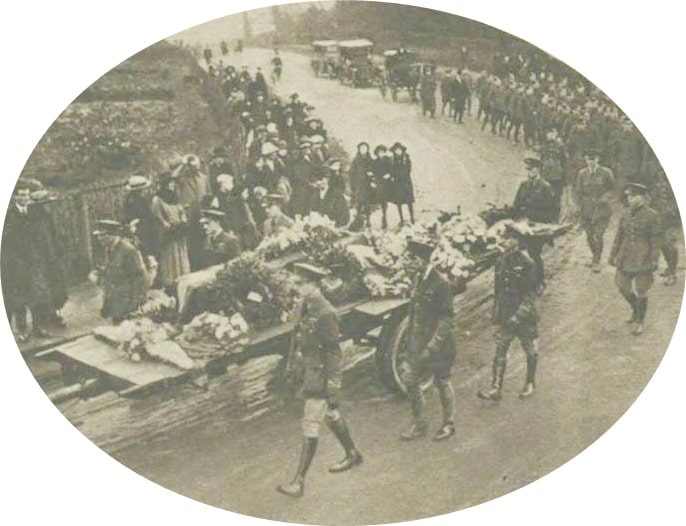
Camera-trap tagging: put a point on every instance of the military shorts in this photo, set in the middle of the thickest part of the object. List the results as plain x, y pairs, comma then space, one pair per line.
315, 412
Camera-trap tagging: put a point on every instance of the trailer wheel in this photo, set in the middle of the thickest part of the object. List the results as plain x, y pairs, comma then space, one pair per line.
391, 355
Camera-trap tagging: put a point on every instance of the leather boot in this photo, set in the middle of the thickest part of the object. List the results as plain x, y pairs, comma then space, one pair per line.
352, 457
641, 308
530, 385
494, 392
297, 485
632, 299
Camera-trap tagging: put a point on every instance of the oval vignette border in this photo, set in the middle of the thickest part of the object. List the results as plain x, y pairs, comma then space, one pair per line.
605, 476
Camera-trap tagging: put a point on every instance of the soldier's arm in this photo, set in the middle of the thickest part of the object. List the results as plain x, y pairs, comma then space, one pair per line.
442, 307
329, 337
656, 240
617, 242
526, 312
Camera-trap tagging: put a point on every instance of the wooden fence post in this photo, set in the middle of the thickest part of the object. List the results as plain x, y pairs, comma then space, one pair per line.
86, 242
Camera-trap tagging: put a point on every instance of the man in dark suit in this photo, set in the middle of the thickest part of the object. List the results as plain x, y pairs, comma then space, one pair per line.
594, 186
316, 346
514, 312
431, 345
636, 252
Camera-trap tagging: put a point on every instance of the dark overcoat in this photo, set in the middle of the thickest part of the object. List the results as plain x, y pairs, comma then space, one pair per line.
124, 281
401, 175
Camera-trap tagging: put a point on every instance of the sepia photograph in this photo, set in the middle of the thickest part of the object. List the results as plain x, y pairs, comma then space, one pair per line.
344, 263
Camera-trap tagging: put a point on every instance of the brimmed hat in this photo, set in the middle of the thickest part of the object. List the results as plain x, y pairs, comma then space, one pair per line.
260, 128
592, 152
259, 191
269, 148
532, 162
108, 226
379, 148
282, 144
398, 145
293, 96
137, 182
334, 160
305, 144
42, 196
317, 139
212, 215
631, 188
274, 198
191, 159
272, 128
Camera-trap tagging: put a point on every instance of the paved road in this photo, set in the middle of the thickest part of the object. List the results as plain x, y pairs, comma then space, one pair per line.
591, 367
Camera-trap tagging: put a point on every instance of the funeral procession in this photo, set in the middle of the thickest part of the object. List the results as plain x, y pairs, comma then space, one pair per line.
342, 263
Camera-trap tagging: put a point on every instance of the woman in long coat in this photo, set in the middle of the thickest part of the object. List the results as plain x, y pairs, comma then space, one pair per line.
382, 184
361, 174
173, 226
401, 175
334, 203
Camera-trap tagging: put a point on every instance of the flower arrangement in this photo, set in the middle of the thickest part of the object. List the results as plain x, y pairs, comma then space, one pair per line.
264, 296
310, 232
142, 338
223, 333
159, 307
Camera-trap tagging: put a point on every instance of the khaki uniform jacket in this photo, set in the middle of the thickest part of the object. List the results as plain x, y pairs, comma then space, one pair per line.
638, 241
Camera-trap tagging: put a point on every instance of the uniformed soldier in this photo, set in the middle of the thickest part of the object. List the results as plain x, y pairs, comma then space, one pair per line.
635, 252
514, 311
316, 344
535, 201
594, 186
431, 345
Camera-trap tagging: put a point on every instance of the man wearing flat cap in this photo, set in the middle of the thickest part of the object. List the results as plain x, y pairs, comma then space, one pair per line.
125, 279
594, 187
636, 252
316, 345
431, 347
535, 201
514, 310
